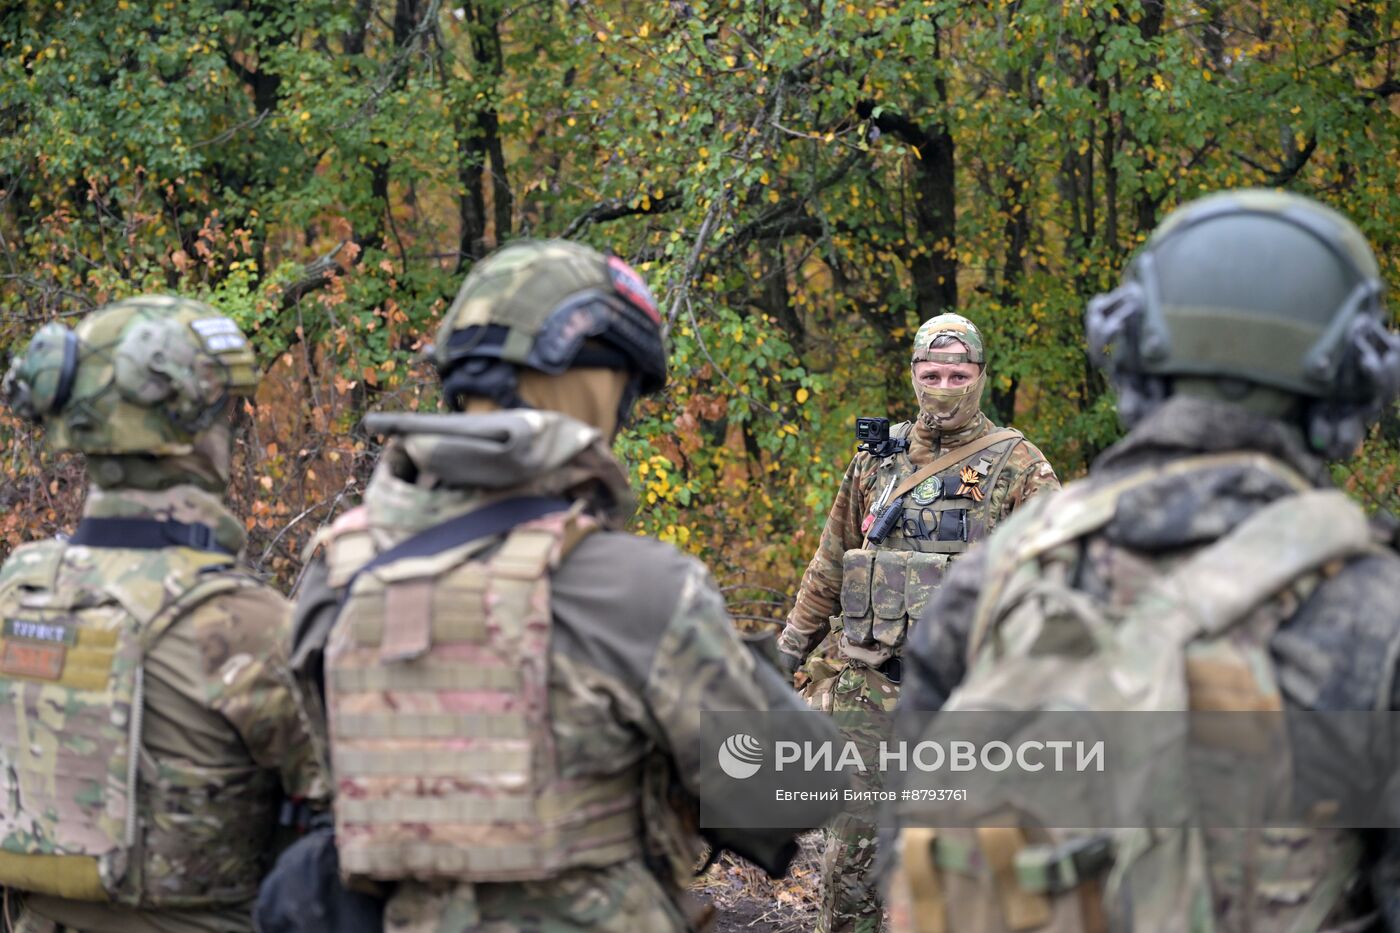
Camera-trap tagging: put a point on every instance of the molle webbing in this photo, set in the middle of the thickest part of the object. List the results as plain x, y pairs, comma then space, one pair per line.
78, 623
441, 740
1081, 510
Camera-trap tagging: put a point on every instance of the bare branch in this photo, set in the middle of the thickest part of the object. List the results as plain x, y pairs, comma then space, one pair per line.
315, 275
616, 209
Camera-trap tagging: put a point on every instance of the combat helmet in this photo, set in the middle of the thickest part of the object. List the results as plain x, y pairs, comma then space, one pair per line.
143, 376
550, 306
1248, 289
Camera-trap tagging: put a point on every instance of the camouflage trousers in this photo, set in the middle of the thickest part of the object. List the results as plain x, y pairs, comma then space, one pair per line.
850, 893
624, 898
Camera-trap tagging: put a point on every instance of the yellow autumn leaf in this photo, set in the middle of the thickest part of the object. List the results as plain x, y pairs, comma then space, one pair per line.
802, 396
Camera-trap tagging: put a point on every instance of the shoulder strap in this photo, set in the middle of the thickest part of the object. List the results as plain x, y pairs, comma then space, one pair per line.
1081, 509
957, 455
485, 522
1225, 581
212, 585
146, 534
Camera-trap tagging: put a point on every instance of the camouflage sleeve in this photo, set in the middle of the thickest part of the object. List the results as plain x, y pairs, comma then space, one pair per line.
701, 667
317, 605
1029, 474
1341, 651
245, 636
809, 621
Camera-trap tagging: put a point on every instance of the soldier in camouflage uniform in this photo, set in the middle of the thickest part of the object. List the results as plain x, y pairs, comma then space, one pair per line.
151, 733
1247, 343
963, 475
522, 751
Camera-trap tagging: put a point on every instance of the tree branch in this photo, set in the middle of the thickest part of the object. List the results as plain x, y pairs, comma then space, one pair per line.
315, 275
616, 209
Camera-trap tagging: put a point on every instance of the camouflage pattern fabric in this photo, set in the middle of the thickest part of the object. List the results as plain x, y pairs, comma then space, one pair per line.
635, 660
621, 898
903, 574
850, 896
1025, 474
1335, 647
151, 373
511, 290
223, 735
951, 325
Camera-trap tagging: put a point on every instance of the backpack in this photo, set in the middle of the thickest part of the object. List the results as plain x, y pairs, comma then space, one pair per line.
1187, 634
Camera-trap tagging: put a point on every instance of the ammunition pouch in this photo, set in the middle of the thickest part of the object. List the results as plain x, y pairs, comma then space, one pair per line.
883, 591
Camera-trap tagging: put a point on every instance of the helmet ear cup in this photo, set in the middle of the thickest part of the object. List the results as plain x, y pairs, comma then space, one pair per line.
41, 379
1113, 326
1368, 379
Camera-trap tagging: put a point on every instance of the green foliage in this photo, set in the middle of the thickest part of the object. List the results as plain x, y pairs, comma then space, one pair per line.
802, 184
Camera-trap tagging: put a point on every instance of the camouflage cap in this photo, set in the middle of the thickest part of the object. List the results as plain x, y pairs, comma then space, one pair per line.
141, 376
952, 325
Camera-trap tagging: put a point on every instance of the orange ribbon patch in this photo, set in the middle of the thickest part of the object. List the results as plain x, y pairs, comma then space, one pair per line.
971, 484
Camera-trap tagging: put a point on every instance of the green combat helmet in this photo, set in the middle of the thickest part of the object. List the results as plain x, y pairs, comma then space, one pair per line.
1258, 295
550, 306
141, 376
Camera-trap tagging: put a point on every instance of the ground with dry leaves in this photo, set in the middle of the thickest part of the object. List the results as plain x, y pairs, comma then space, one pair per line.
748, 901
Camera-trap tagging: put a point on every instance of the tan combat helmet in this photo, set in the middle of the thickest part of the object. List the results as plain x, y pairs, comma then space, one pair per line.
142, 376
548, 306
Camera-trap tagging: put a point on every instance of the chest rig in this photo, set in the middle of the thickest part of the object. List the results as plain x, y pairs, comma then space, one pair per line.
886, 584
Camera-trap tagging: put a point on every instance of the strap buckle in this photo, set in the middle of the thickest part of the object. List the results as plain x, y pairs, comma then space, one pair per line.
196, 535
1057, 869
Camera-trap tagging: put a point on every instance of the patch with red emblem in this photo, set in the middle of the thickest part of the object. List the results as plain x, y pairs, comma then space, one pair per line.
630, 286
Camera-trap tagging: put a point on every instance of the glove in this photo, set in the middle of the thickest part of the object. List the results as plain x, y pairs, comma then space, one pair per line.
789, 662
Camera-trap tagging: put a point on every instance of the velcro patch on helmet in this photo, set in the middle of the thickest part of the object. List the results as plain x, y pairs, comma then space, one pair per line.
219, 334
631, 286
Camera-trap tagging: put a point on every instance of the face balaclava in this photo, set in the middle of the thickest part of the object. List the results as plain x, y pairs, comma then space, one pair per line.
948, 410
590, 395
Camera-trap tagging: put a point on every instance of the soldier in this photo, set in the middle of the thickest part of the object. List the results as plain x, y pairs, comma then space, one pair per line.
516, 688
151, 733
1247, 342
901, 516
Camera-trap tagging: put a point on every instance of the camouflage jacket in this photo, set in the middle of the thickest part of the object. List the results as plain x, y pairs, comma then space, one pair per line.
1339, 651
219, 699
1025, 473
642, 647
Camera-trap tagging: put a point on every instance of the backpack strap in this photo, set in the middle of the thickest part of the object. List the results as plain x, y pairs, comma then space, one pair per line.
1083, 509
1225, 581
146, 534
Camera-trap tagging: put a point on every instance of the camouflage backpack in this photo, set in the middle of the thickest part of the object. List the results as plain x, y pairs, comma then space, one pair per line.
86, 814
1192, 636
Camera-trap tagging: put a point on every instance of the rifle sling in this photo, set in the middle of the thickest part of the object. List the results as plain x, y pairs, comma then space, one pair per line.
955, 456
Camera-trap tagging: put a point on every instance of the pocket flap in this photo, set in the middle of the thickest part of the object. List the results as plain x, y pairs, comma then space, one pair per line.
856, 567
924, 576
887, 586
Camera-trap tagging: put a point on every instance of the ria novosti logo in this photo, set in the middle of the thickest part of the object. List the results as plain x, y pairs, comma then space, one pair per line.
740, 756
